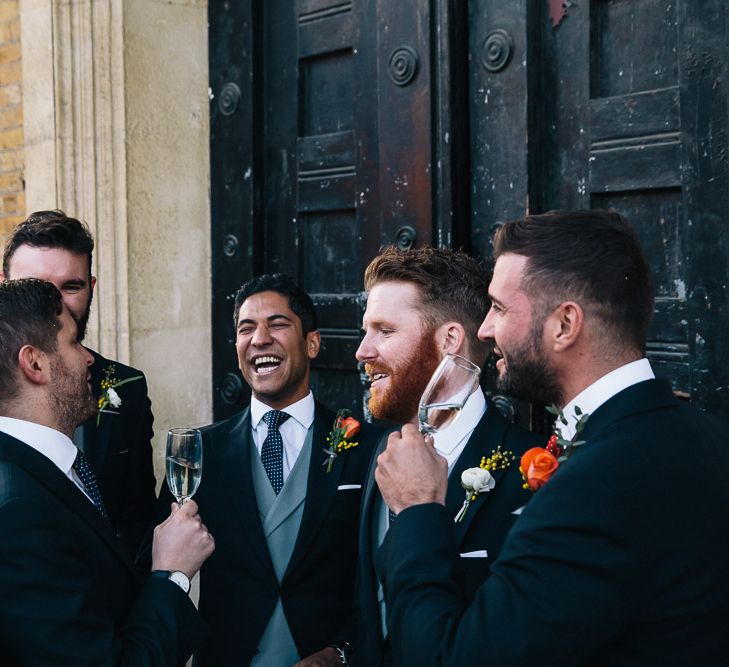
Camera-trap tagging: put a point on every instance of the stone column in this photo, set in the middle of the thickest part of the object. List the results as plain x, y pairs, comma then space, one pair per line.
116, 132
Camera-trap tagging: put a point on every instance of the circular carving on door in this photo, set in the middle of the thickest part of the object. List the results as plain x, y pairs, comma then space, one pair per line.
403, 65
231, 388
497, 50
230, 246
229, 99
505, 406
405, 238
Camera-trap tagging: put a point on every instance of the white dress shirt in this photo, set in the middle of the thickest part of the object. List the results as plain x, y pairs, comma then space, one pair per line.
293, 431
450, 442
54, 445
600, 391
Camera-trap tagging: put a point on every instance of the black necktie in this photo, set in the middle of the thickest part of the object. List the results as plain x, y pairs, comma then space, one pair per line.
272, 450
88, 479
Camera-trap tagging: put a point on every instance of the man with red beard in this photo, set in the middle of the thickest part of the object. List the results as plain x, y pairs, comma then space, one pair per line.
422, 304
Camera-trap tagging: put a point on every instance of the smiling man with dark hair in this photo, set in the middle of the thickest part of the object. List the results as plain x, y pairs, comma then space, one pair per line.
279, 589
52, 246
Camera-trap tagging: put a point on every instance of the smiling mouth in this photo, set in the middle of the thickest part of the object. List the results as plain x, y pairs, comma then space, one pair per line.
266, 364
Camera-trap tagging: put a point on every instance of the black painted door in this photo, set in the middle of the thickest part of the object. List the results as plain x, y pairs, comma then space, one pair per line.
617, 104
322, 149
340, 125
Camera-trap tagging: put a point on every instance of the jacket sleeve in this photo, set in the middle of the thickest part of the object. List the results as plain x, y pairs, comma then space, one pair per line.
61, 605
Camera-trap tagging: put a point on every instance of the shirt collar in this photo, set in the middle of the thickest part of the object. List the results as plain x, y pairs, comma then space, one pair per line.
600, 391
54, 445
302, 411
446, 441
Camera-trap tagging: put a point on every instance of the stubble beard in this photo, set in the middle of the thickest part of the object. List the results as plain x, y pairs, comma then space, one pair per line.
528, 375
407, 381
70, 396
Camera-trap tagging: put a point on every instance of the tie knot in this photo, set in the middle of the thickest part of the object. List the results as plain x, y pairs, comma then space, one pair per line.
274, 419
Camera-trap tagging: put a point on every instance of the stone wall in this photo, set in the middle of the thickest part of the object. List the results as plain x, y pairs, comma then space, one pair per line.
12, 160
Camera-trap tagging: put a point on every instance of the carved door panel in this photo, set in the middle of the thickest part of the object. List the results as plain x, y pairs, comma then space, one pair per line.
623, 105
635, 93
325, 156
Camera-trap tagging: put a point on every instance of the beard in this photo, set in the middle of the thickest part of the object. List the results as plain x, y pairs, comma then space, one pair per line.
83, 320
70, 397
407, 382
527, 373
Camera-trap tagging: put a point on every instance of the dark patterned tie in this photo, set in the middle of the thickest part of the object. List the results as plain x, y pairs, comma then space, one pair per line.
272, 450
88, 479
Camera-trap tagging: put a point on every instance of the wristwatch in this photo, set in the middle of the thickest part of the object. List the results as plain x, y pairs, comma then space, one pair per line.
344, 652
176, 577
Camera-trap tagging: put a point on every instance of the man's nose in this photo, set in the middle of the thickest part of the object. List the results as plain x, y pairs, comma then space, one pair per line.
486, 330
364, 351
261, 336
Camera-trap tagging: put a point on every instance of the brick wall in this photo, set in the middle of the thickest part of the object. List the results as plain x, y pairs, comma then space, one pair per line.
12, 185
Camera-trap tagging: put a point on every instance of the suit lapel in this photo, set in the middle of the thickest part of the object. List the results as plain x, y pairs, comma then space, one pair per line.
492, 427
321, 488
65, 490
96, 439
233, 456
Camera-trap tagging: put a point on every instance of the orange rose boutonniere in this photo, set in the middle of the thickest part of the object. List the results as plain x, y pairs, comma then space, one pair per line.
339, 439
538, 464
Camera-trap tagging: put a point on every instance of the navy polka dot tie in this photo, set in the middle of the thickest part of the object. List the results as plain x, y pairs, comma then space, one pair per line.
88, 479
272, 450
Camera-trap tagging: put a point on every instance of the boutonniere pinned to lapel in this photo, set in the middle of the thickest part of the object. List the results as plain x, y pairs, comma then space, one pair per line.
479, 480
109, 395
538, 464
339, 439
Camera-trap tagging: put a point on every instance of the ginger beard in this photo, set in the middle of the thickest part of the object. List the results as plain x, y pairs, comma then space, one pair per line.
406, 382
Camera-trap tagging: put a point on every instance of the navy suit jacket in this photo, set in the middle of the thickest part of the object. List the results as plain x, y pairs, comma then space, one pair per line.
238, 585
70, 593
621, 559
119, 450
484, 528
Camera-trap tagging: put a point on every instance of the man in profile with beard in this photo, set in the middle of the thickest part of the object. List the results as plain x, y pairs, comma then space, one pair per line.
421, 304
620, 557
71, 594
51, 246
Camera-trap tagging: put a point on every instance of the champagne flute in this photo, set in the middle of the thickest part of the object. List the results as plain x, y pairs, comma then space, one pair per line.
452, 382
184, 462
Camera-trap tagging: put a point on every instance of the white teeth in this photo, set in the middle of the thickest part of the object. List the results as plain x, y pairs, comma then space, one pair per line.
378, 376
266, 360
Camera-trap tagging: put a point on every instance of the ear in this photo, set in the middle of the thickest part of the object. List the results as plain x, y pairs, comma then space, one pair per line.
451, 337
313, 343
93, 282
34, 364
564, 326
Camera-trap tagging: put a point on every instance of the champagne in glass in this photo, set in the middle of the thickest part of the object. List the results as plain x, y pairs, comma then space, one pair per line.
184, 462
452, 382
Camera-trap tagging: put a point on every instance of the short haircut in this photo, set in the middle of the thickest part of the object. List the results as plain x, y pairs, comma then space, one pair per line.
453, 286
593, 257
29, 315
299, 301
50, 229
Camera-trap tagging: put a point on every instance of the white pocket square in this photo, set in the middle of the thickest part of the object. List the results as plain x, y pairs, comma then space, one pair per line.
519, 510
347, 487
481, 553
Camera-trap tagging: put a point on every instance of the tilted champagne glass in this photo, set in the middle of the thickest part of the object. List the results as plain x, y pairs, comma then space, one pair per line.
184, 462
452, 382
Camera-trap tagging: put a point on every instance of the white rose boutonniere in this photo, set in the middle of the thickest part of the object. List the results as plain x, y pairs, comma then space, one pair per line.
114, 399
475, 481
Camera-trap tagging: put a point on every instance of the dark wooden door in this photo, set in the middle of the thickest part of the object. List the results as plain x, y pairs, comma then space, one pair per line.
617, 104
323, 146
341, 125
